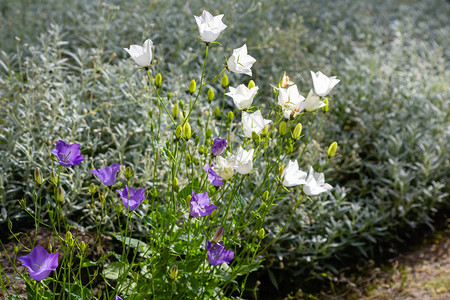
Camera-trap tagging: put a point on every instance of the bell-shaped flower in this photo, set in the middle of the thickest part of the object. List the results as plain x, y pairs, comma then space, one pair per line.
218, 146
217, 254
322, 83
240, 62
209, 27
253, 122
131, 198
312, 102
213, 178
107, 175
141, 55
39, 263
290, 100
242, 96
292, 175
118, 298
244, 161
315, 184
200, 205
225, 167
68, 155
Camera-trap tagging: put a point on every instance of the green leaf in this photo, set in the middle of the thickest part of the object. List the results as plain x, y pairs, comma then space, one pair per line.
114, 270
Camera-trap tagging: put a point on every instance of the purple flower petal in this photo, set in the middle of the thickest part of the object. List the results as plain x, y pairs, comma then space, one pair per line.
39, 263
131, 198
214, 179
217, 254
218, 146
107, 175
68, 155
200, 205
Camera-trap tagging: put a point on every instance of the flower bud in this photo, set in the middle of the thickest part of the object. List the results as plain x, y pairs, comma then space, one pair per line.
50, 247
327, 105
251, 84
178, 132
210, 95
297, 131
174, 272
175, 110
53, 178
175, 184
192, 86
208, 133
332, 149
261, 233
187, 131
256, 137
158, 80
82, 247
265, 195
188, 199
225, 82
181, 104
22, 203
283, 128
38, 176
281, 169
169, 95
69, 238
10, 225
218, 235
128, 173
265, 130
188, 160
92, 189
217, 112
230, 117
16, 249
60, 193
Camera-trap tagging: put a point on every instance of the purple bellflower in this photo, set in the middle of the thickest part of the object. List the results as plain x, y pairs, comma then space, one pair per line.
200, 205
132, 198
218, 146
107, 175
217, 254
214, 179
118, 298
68, 155
39, 263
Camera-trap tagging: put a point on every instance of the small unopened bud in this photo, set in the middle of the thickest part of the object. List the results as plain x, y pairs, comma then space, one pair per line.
332, 149
128, 173
208, 133
256, 137
92, 189
265, 195
217, 112
261, 233
188, 160
175, 110
297, 131
281, 169
53, 178
265, 130
178, 132
69, 238
283, 128
22, 203
218, 235
188, 199
175, 184
38, 176
60, 193
187, 131
82, 246
158, 80
225, 82
169, 95
251, 84
230, 117
203, 150
327, 105
50, 247
192, 86
16, 249
174, 272
10, 225
210, 95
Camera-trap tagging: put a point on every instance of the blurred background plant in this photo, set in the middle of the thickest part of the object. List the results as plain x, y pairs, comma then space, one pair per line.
63, 73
